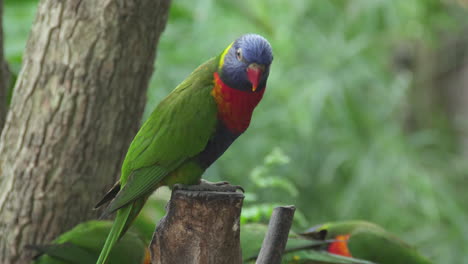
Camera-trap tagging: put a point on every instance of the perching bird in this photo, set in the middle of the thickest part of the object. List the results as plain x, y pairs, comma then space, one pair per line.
190, 129
366, 241
83, 243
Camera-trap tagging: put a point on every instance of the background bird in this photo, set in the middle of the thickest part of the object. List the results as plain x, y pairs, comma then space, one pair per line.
83, 243
365, 240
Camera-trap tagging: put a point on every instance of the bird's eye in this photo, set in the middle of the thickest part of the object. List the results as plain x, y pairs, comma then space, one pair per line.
322, 234
239, 54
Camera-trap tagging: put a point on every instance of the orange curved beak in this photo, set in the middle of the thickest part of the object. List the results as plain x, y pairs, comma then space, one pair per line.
254, 71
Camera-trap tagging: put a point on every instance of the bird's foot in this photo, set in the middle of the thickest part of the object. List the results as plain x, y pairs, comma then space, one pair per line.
210, 187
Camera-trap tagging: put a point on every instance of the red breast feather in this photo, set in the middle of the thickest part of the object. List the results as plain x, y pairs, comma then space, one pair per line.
235, 107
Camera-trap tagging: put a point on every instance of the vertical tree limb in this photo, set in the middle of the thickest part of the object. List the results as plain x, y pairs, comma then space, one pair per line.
76, 106
276, 237
439, 95
199, 228
451, 81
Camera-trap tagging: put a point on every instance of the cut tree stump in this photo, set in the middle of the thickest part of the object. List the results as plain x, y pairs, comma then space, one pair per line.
200, 227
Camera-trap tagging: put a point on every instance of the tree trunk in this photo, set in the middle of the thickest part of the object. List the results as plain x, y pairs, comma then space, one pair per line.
451, 69
439, 97
76, 106
455, 95
4, 74
199, 228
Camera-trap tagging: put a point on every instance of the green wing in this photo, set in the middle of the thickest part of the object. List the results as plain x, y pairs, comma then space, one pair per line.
177, 130
382, 247
65, 253
140, 182
82, 244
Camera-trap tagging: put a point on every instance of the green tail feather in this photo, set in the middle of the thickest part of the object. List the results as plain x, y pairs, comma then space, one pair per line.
120, 223
137, 205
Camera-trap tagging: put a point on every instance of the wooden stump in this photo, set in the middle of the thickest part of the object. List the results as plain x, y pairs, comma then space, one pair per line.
200, 227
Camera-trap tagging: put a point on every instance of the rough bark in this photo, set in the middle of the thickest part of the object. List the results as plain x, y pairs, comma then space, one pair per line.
76, 106
199, 228
276, 238
4, 74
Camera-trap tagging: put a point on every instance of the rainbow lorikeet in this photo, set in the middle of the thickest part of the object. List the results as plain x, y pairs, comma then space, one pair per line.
190, 129
83, 243
366, 241
299, 250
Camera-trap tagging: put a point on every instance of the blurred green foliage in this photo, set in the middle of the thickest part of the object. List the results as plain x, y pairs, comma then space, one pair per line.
328, 136
18, 16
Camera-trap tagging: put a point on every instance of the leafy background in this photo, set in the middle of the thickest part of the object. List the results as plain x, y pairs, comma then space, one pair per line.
329, 135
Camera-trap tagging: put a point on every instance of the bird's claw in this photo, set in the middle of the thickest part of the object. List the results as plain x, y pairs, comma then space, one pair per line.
223, 184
